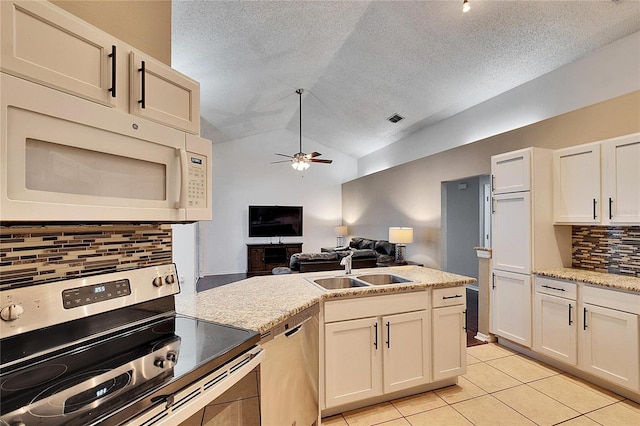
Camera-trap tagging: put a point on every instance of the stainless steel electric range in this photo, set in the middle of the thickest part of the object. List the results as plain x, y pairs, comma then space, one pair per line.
110, 349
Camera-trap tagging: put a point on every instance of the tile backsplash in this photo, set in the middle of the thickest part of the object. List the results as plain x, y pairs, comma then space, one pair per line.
615, 250
31, 255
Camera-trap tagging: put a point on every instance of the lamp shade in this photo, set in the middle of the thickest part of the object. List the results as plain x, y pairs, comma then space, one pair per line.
400, 235
341, 230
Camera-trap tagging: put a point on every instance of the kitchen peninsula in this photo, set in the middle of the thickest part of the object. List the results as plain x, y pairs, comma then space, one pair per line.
375, 342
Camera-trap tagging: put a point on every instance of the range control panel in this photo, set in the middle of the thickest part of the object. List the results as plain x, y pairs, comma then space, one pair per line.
32, 307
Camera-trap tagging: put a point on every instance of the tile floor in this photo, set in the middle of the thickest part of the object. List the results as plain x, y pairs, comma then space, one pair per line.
502, 387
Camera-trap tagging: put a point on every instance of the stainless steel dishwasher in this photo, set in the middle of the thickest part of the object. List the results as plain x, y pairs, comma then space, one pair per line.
289, 372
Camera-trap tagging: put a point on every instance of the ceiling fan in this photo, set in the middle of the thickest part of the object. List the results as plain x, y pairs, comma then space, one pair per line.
300, 160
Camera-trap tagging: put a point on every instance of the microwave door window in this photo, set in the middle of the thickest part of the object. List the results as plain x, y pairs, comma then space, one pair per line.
51, 167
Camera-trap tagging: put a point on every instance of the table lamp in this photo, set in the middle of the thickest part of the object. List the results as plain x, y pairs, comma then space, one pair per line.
341, 231
400, 236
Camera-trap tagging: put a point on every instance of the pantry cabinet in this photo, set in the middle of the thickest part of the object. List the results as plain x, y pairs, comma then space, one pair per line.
511, 306
49, 46
511, 232
511, 171
386, 351
597, 183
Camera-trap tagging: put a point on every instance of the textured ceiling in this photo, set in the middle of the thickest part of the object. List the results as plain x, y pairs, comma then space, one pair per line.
361, 62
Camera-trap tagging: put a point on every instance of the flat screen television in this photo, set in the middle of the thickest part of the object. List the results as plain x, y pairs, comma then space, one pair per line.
275, 221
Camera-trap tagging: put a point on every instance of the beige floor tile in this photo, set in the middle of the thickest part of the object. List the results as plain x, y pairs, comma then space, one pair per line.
487, 410
462, 391
489, 351
632, 405
613, 396
472, 360
372, 415
440, 416
618, 414
521, 368
572, 394
535, 405
334, 421
396, 422
488, 378
580, 421
418, 403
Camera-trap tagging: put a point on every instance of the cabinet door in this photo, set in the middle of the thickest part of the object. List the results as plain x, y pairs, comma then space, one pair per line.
449, 342
555, 329
353, 361
609, 345
511, 172
406, 350
256, 259
511, 231
162, 94
511, 307
621, 177
44, 44
576, 181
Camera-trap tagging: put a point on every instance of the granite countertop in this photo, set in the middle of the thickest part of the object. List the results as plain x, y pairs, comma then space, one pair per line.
260, 303
615, 281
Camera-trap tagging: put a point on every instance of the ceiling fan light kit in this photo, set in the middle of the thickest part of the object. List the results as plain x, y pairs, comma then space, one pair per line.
301, 161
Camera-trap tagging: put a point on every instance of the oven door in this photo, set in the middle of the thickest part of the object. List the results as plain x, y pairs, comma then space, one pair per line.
229, 395
67, 159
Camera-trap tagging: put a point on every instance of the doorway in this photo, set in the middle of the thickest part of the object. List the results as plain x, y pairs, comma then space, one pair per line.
466, 221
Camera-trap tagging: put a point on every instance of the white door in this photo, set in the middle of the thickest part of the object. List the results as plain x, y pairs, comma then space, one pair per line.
511, 172
511, 307
48, 46
512, 232
449, 342
353, 361
576, 184
555, 328
621, 194
609, 345
162, 94
405, 350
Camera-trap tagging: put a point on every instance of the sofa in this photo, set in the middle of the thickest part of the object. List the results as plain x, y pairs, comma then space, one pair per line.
366, 253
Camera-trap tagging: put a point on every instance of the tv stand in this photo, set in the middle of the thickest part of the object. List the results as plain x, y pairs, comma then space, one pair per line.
262, 258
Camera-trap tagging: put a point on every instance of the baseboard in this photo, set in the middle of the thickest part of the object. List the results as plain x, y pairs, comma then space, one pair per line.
484, 338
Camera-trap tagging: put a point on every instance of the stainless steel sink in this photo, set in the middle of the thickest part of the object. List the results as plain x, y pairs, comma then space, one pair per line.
381, 279
335, 283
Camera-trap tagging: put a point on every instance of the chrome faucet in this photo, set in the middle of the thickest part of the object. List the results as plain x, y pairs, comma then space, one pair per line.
346, 262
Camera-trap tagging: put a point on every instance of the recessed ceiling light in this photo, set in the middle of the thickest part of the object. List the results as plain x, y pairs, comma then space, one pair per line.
395, 118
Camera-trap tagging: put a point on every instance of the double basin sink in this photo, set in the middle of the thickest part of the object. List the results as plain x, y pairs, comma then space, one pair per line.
342, 282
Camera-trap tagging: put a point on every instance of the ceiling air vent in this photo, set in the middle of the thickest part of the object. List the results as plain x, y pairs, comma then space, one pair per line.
395, 118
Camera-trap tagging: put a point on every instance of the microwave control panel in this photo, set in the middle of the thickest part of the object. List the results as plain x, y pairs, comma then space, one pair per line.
197, 190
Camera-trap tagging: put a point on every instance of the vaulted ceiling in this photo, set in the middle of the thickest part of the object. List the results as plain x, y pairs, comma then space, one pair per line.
361, 62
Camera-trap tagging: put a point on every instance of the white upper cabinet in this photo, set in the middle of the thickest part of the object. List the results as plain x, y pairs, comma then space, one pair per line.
621, 179
598, 183
47, 45
511, 232
511, 172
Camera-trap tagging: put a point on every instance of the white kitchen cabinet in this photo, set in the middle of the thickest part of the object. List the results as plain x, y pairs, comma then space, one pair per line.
387, 351
511, 172
47, 45
511, 232
405, 358
598, 183
449, 339
162, 94
555, 324
353, 359
621, 179
608, 336
511, 306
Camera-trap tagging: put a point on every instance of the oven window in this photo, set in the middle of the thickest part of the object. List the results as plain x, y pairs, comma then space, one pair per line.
64, 169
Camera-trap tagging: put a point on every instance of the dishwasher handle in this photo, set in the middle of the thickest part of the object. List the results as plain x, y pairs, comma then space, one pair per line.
295, 329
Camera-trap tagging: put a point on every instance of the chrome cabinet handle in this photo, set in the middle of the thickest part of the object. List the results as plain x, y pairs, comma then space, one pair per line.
112, 55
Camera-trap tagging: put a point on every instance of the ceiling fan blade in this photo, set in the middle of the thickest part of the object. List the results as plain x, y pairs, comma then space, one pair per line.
283, 155
313, 154
314, 160
283, 161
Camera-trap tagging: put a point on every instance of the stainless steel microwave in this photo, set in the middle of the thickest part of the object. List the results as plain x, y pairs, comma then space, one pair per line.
63, 158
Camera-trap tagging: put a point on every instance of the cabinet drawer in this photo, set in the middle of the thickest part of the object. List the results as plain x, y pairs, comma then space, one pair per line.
619, 300
374, 306
449, 296
560, 288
